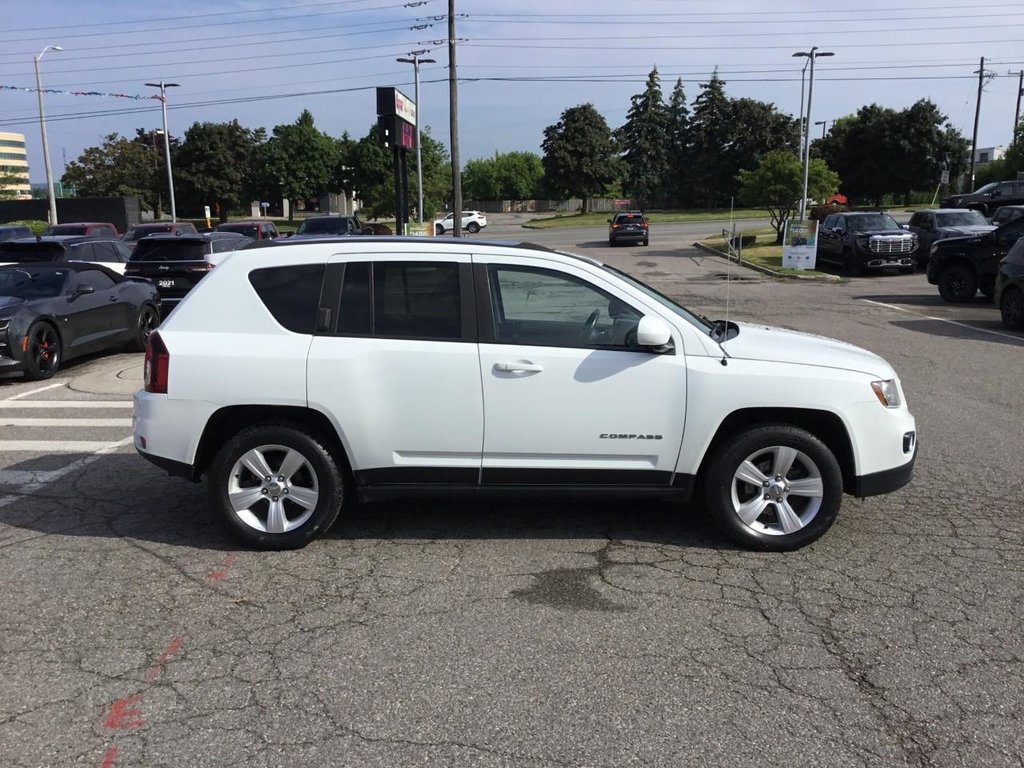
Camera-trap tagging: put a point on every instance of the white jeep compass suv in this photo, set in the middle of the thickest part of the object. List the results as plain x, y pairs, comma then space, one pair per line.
295, 375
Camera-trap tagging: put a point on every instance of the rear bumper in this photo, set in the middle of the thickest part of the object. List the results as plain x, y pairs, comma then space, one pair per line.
172, 467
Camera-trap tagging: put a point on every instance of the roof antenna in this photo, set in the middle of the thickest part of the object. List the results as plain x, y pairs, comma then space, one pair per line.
728, 278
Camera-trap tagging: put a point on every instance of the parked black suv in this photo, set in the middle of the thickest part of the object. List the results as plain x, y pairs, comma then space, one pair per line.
938, 224
989, 197
960, 266
859, 241
1010, 288
628, 226
175, 263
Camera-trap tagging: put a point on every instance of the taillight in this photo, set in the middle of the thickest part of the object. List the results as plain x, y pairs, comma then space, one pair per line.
158, 362
199, 267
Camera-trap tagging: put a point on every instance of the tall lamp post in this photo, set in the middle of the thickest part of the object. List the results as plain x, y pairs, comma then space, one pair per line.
167, 141
42, 129
824, 126
416, 61
812, 54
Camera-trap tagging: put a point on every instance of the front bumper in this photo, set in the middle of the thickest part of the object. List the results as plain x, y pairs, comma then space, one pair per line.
886, 481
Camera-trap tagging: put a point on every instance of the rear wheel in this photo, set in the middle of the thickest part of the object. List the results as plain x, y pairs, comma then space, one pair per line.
43, 352
472, 227
147, 322
1011, 307
958, 284
774, 487
275, 486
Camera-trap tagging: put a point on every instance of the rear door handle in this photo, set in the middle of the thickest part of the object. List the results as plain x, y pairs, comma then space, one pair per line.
520, 366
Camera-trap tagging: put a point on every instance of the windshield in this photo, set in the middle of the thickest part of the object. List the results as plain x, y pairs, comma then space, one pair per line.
694, 320
170, 250
137, 233
960, 219
65, 229
26, 252
32, 284
873, 223
249, 230
332, 225
987, 188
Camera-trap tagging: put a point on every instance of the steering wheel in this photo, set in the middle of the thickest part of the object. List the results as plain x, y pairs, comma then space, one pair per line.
588, 326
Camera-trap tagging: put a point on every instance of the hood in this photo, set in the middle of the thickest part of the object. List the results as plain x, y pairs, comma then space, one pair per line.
967, 231
759, 342
6, 302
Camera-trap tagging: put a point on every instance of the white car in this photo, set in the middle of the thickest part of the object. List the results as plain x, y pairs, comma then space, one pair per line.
472, 222
296, 375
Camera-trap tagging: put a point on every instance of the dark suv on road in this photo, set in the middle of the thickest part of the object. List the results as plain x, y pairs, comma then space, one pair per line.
989, 197
961, 266
859, 241
332, 226
628, 226
175, 263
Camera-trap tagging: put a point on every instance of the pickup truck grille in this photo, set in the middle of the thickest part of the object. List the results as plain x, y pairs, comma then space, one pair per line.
892, 244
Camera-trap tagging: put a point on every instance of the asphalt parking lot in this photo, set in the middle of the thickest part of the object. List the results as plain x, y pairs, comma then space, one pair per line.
552, 633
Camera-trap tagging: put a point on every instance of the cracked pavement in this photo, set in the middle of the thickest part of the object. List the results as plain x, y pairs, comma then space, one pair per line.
543, 632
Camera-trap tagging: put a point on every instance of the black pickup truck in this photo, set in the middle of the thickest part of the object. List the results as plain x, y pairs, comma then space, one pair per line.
960, 266
989, 197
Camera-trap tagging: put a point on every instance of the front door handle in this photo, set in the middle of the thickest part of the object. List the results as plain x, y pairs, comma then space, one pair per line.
519, 366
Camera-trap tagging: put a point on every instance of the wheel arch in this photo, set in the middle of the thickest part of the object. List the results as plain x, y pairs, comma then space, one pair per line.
231, 419
825, 425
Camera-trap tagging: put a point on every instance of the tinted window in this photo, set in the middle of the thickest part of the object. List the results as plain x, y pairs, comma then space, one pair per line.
31, 284
1014, 229
416, 300
104, 252
292, 294
124, 252
354, 314
544, 308
960, 219
332, 225
249, 230
28, 252
221, 245
170, 250
626, 218
82, 252
96, 279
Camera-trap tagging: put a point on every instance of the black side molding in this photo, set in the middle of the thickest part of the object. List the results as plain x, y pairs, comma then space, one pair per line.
172, 467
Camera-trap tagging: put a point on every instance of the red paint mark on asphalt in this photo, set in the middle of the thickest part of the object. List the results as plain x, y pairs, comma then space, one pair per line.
165, 654
109, 758
223, 572
122, 715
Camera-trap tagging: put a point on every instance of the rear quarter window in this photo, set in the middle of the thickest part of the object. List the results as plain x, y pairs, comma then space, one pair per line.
291, 294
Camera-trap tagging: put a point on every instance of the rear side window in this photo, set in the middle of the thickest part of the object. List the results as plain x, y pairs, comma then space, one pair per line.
221, 245
354, 315
292, 294
24, 253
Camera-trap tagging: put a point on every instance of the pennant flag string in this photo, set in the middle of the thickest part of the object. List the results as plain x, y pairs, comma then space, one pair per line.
80, 93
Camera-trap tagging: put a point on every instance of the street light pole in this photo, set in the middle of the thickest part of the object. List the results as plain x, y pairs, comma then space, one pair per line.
824, 126
812, 54
42, 129
167, 140
803, 78
416, 61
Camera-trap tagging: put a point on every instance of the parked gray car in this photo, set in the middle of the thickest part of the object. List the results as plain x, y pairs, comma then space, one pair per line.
940, 223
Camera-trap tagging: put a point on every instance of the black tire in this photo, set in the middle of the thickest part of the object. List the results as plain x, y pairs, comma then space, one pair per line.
439, 230
472, 227
958, 284
145, 324
1011, 307
808, 516
611, 243
851, 266
44, 352
318, 476
906, 270
646, 242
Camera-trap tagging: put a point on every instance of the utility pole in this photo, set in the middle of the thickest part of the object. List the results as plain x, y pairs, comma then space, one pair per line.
167, 141
1016, 112
453, 119
977, 115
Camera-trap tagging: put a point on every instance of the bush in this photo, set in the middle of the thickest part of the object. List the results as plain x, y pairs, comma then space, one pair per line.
36, 226
743, 241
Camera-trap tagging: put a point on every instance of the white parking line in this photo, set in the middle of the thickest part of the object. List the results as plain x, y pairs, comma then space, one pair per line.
945, 320
36, 391
61, 446
55, 404
42, 422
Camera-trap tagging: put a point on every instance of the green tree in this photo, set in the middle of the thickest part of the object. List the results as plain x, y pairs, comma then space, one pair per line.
297, 162
211, 167
643, 145
710, 134
777, 183
119, 167
578, 154
506, 176
678, 148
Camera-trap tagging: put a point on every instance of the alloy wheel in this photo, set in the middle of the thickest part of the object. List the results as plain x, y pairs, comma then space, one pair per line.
273, 489
777, 490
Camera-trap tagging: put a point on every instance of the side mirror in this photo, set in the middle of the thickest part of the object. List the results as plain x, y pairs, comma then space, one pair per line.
83, 290
655, 333
367, 230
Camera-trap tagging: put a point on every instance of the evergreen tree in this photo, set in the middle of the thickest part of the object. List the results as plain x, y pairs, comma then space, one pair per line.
579, 154
643, 144
711, 131
678, 140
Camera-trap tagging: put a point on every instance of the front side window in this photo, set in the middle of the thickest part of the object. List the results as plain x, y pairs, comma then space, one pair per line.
539, 307
417, 300
95, 279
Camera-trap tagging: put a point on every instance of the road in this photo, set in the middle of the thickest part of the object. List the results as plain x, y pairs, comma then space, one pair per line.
558, 633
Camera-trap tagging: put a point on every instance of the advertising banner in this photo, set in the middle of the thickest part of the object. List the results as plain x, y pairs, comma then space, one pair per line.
799, 244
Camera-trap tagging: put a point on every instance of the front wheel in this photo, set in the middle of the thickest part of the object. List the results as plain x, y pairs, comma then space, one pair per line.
958, 284
774, 487
43, 352
851, 265
275, 486
439, 230
472, 227
1011, 307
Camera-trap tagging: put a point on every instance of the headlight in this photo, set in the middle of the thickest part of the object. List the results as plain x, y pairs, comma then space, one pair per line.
5, 323
887, 392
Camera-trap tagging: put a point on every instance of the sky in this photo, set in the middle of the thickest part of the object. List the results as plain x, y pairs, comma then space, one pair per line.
520, 63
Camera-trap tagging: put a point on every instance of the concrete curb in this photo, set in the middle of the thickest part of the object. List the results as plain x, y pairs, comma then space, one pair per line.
765, 270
